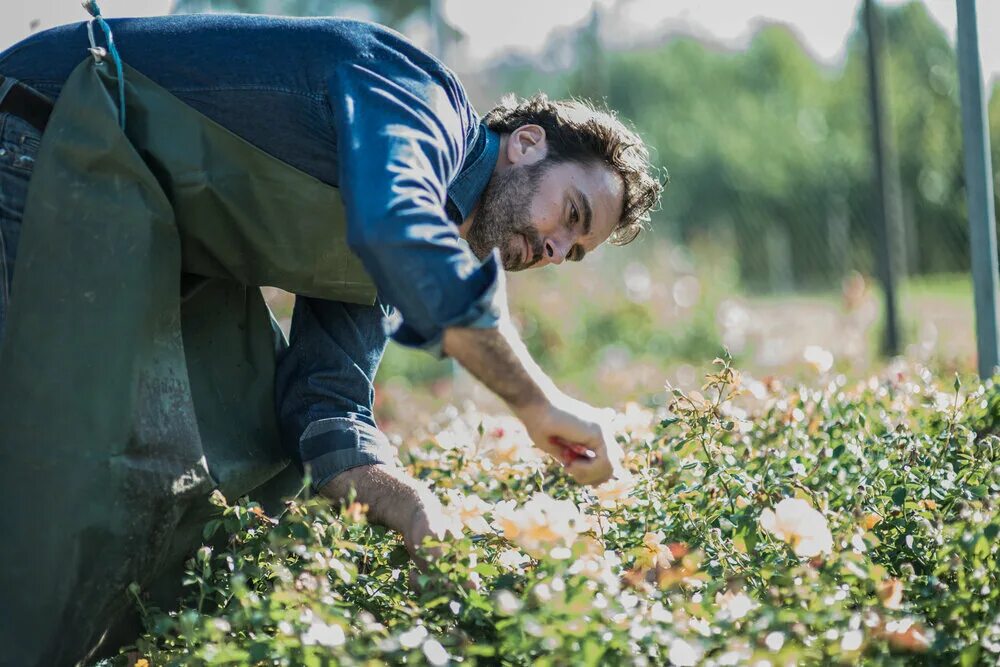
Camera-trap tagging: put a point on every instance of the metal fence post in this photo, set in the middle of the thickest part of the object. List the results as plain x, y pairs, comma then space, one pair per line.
889, 219
978, 189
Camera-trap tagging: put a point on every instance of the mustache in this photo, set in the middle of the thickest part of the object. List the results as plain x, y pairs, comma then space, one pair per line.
535, 245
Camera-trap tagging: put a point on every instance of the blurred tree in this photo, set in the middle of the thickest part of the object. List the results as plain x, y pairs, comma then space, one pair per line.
767, 144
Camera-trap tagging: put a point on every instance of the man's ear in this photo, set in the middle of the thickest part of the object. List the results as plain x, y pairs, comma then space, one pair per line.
526, 145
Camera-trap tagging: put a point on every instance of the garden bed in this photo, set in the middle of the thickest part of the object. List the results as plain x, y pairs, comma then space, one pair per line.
841, 522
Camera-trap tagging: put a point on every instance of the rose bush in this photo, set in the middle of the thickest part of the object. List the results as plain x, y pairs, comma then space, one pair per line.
831, 524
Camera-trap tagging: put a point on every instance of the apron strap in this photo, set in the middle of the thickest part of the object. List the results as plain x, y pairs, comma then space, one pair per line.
99, 52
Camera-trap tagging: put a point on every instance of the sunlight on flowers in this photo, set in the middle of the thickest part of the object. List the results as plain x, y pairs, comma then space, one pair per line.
635, 421
817, 357
794, 521
734, 606
541, 524
615, 492
469, 510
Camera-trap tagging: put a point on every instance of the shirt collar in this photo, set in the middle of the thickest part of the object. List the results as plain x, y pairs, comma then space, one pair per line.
464, 191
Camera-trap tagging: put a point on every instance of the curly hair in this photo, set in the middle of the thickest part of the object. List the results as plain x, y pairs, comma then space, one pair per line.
578, 131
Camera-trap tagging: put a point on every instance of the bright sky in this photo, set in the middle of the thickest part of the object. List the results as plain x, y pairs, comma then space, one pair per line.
493, 27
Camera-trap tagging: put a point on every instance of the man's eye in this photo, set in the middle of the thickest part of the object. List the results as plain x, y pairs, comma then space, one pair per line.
573, 215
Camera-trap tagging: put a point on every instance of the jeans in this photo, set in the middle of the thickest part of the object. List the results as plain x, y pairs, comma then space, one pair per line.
325, 387
19, 142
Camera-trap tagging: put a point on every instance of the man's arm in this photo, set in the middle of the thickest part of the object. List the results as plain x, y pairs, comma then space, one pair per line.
499, 359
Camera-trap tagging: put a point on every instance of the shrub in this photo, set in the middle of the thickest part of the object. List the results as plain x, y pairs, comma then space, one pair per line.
836, 523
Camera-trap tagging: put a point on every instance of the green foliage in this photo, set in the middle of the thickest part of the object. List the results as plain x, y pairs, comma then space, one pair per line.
697, 560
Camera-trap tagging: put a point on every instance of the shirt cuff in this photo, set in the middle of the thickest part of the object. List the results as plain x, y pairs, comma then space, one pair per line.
330, 446
483, 313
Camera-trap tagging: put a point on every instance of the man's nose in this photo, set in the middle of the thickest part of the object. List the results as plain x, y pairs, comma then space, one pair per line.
555, 251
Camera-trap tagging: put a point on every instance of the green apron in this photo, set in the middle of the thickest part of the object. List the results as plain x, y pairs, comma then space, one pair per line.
127, 394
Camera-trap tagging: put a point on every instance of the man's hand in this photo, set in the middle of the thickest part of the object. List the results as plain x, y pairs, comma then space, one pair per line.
561, 426
397, 501
499, 359
428, 521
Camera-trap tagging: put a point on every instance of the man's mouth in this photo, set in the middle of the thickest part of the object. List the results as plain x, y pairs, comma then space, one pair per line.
526, 255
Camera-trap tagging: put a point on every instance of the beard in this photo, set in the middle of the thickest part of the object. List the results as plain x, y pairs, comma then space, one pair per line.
504, 213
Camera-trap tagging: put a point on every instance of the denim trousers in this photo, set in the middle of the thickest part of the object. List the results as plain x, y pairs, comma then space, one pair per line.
19, 141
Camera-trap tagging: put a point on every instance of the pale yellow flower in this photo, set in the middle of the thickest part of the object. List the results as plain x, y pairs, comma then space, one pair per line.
505, 440
541, 524
794, 521
635, 421
655, 551
469, 510
818, 358
734, 606
512, 559
890, 592
615, 492
603, 567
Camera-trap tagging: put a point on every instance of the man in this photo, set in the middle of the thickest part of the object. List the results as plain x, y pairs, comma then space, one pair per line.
358, 107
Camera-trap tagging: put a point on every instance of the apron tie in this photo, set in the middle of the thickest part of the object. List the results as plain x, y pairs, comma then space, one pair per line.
99, 52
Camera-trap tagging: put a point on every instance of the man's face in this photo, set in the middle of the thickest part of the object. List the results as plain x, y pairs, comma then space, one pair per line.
542, 213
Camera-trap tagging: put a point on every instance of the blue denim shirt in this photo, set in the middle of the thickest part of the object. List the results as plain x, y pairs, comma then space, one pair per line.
352, 103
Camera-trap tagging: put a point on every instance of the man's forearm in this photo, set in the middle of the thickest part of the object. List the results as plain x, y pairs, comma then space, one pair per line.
392, 496
499, 359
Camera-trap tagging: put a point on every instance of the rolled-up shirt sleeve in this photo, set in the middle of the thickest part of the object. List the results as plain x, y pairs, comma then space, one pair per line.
402, 136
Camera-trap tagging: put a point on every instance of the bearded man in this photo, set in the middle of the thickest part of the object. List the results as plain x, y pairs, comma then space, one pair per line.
438, 204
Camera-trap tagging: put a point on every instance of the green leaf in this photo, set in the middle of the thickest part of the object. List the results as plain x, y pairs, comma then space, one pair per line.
399, 557
210, 528
486, 569
436, 602
899, 495
969, 656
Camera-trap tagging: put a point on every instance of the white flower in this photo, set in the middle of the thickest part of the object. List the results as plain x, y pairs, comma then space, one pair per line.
683, 654
541, 524
600, 567
506, 602
468, 510
797, 523
506, 441
413, 637
818, 358
775, 641
852, 640
324, 635
435, 653
635, 421
701, 626
512, 559
739, 653
734, 606
615, 491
